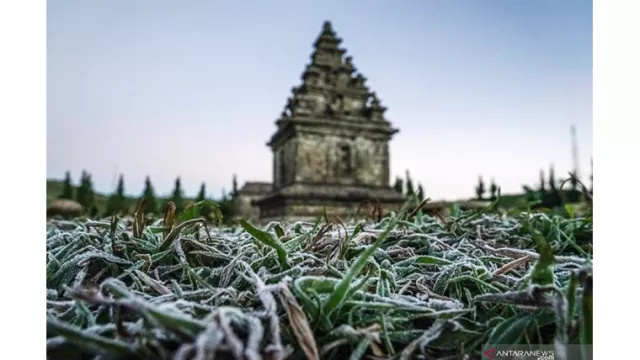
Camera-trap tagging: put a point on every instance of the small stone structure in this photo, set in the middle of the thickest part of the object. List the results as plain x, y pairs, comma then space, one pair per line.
244, 197
331, 147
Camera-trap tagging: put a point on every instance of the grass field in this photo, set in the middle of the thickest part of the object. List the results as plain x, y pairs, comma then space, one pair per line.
407, 287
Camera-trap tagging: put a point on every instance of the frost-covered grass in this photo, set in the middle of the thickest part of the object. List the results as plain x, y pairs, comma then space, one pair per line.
407, 287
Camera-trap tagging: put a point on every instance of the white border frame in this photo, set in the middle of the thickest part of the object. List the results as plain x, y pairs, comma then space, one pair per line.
23, 149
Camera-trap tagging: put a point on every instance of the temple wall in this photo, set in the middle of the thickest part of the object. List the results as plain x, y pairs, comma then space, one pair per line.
244, 209
285, 163
341, 160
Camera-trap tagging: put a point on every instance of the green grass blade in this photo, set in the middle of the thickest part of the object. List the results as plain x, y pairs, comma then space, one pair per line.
94, 343
269, 240
340, 292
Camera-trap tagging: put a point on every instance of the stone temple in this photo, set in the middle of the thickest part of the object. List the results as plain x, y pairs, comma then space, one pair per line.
330, 149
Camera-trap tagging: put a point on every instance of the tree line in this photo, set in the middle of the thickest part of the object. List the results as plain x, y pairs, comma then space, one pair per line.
120, 204
405, 187
549, 192
481, 189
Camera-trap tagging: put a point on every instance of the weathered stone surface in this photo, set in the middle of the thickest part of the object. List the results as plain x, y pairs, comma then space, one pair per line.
244, 197
308, 201
331, 145
338, 159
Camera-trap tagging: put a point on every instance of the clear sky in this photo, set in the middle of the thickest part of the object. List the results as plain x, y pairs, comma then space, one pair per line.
192, 88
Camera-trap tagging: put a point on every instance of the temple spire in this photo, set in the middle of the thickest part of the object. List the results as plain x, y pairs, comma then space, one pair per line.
327, 54
332, 89
327, 39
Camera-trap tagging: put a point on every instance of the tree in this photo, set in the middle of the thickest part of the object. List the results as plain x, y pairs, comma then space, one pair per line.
82, 189
117, 201
542, 181
420, 192
493, 189
552, 179
235, 185
67, 187
205, 211
409, 185
177, 197
202, 194
552, 199
84, 194
226, 205
398, 186
480, 189
151, 204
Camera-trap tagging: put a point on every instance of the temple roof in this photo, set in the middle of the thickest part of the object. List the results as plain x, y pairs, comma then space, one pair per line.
332, 90
327, 37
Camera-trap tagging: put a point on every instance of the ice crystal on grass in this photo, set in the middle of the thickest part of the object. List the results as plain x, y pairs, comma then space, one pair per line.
400, 287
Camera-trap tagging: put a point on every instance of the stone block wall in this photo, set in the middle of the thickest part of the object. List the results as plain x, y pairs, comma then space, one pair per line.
344, 160
243, 200
244, 209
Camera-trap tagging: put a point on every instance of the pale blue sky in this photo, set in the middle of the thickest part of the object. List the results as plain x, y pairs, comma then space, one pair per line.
192, 88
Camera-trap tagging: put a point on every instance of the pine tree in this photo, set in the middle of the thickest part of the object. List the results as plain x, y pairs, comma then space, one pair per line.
409, 185
398, 186
493, 189
226, 205
84, 194
91, 196
67, 187
542, 182
235, 185
205, 211
420, 192
82, 188
552, 179
480, 189
177, 197
553, 198
202, 193
151, 203
117, 201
